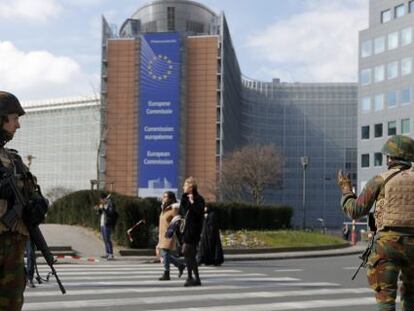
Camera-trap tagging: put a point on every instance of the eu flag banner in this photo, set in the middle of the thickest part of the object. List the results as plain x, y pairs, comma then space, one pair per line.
159, 117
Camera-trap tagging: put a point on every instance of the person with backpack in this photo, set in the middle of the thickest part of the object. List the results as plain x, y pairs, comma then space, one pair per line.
167, 244
108, 218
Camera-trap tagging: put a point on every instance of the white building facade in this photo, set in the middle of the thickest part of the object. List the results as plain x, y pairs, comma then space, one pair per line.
62, 138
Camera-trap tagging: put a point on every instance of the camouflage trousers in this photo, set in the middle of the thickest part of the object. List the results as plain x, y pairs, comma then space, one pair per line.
392, 257
12, 274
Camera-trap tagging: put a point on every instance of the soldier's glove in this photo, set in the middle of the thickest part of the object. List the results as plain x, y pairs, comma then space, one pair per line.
344, 182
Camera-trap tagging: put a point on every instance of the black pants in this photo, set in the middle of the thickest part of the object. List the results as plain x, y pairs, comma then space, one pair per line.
190, 252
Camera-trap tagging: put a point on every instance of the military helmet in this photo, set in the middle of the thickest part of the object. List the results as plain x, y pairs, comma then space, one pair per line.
10, 104
399, 146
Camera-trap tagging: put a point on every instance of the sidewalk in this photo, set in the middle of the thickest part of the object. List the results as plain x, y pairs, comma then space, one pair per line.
84, 242
87, 243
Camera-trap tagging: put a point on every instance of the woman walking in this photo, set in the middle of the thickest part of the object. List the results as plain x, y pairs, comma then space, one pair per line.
166, 246
192, 207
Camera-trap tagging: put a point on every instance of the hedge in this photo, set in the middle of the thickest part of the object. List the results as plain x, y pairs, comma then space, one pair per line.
77, 208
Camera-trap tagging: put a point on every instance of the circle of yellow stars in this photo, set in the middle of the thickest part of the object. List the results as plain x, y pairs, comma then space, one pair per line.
166, 64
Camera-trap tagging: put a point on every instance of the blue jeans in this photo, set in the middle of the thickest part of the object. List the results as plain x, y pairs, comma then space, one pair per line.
106, 236
30, 259
168, 258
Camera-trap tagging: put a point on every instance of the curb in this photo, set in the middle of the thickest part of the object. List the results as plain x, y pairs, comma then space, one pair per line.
240, 251
299, 253
292, 255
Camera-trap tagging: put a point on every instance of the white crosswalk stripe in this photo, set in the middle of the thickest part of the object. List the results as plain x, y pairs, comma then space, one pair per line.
136, 287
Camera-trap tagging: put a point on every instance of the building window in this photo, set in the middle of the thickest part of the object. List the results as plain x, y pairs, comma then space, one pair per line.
365, 132
393, 40
392, 128
150, 26
378, 130
406, 66
392, 70
365, 77
405, 96
366, 48
379, 102
365, 160
385, 16
379, 73
406, 36
377, 159
366, 104
195, 27
379, 45
392, 99
171, 18
411, 6
399, 11
405, 126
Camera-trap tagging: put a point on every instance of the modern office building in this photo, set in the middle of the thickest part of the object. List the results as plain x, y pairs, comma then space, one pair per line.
59, 140
385, 82
175, 103
315, 121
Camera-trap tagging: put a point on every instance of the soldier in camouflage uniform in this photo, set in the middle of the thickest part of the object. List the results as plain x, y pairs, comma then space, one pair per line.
12, 240
392, 192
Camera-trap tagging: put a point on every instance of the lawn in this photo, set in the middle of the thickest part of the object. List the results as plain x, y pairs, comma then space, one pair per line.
277, 239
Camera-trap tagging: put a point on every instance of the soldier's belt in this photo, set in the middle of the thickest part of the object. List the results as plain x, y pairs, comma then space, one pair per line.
402, 230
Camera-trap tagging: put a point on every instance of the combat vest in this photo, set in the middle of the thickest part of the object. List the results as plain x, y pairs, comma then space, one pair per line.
5, 158
395, 206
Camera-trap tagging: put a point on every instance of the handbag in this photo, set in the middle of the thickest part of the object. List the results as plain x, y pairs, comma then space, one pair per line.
183, 221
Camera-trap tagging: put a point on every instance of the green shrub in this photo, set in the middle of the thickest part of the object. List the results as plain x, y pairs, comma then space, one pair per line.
77, 208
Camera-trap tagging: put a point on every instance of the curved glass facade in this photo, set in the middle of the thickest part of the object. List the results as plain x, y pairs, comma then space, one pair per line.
316, 120
62, 136
176, 15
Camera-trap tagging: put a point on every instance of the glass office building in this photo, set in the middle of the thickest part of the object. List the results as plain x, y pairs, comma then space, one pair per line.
175, 102
386, 82
312, 120
61, 136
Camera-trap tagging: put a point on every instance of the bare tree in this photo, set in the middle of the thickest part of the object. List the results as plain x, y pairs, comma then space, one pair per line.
250, 170
56, 193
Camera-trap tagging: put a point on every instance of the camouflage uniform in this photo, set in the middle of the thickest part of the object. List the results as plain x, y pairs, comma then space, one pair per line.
12, 240
393, 251
12, 274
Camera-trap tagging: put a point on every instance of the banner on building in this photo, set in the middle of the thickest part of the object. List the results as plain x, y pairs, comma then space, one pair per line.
159, 110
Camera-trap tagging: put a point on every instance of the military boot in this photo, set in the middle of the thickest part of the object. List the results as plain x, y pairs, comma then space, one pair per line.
165, 276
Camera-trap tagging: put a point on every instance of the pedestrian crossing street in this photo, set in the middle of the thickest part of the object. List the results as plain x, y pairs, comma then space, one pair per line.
123, 286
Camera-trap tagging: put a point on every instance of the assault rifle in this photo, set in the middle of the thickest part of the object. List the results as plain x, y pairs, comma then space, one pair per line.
13, 214
364, 256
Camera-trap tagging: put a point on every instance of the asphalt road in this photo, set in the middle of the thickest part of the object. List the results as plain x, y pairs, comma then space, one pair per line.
295, 284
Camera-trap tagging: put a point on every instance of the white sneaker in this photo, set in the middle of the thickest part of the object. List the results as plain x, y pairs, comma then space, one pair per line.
110, 257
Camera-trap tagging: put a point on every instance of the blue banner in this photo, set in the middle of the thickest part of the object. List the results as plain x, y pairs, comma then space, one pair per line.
159, 122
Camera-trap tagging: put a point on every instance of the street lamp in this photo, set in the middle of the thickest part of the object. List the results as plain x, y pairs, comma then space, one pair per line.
304, 161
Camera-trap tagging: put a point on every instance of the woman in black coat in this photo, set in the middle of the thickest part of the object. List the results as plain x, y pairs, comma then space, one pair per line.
210, 251
192, 207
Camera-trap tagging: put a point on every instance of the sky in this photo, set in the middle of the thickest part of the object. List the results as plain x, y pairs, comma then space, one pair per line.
52, 48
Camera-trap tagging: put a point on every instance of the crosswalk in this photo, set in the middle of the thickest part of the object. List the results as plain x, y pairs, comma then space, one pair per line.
123, 286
